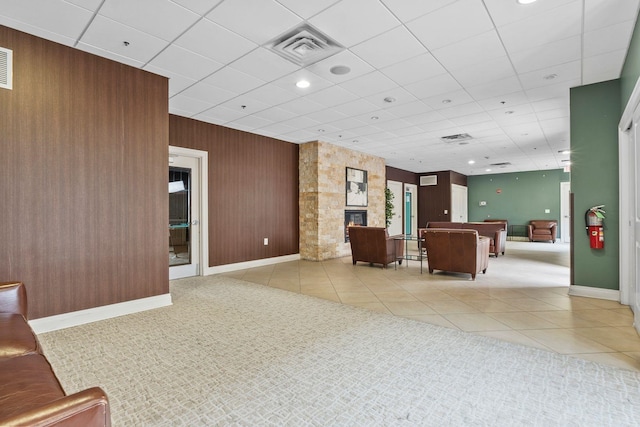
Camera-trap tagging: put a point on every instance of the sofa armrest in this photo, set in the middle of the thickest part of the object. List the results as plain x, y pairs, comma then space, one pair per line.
13, 298
530, 231
89, 407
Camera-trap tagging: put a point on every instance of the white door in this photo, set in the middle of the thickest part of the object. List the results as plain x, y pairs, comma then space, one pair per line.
184, 217
459, 203
411, 209
634, 200
395, 227
565, 211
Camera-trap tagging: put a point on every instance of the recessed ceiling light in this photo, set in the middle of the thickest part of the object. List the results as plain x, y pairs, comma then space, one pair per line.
389, 99
550, 76
320, 130
340, 70
525, 1
356, 141
374, 117
509, 112
471, 162
303, 84
446, 101
564, 152
487, 170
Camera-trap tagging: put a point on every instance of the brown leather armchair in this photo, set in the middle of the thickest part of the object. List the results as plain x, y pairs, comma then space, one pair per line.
374, 245
542, 230
457, 250
495, 230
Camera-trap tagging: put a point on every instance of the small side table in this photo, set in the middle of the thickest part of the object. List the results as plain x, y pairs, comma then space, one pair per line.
409, 238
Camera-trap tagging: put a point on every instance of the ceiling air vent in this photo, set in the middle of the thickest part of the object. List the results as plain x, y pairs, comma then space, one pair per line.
6, 68
456, 138
428, 180
304, 46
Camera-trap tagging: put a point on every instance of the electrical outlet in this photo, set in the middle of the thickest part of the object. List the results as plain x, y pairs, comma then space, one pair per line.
446, 211
547, 211
483, 203
266, 241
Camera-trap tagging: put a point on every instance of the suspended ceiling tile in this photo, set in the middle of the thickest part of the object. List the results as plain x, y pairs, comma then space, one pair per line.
350, 22
484, 72
307, 9
369, 84
407, 10
332, 96
207, 93
548, 76
264, 64
452, 23
548, 55
233, 80
415, 69
556, 24
185, 63
52, 19
108, 37
389, 48
493, 89
200, 7
604, 40
160, 18
470, 51
427, 89
357, 67
603, 67
215, 42
602, 13
262, 20
506, 12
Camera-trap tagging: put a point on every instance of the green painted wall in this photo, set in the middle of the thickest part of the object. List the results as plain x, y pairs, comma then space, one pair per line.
631, 68
517, 197
595, 113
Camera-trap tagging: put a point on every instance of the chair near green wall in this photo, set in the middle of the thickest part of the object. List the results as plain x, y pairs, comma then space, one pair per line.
543, 230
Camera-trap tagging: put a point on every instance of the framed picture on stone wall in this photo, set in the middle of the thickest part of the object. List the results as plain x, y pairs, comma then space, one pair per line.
356, 187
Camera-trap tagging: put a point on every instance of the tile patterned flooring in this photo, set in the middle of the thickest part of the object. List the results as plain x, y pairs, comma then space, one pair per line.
523, 298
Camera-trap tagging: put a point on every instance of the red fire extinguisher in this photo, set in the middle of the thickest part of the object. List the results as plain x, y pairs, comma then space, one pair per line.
594, 219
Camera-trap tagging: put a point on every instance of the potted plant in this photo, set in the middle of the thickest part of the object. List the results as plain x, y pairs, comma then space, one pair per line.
388, 206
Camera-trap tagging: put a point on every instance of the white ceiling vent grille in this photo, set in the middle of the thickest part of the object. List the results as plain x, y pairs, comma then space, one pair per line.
304, 46
428, 180
456, 138
6, 68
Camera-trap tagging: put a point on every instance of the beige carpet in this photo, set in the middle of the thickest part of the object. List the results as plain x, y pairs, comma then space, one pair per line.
233, 353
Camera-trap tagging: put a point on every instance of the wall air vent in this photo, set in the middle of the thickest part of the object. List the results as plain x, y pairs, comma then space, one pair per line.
6, 68
304, 46
456, 138
428, 180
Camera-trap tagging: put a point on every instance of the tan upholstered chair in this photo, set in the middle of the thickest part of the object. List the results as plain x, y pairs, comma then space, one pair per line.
542, 230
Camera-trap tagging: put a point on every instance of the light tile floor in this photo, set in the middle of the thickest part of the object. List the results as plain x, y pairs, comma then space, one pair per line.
523, 298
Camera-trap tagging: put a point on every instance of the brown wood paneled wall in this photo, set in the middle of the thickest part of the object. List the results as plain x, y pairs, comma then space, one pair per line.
83, 178
434, 200
253, 190
400, 175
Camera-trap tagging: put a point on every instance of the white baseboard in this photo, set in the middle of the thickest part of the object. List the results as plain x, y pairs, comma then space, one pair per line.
250, 264
589, 292
81, 317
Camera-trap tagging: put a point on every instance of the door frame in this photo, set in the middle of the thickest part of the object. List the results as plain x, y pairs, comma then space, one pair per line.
202, 158
413, 189
565, 223
398, 207
627, 176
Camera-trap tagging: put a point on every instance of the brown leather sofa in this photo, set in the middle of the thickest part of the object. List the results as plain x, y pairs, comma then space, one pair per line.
495, 231
456, 250
30, 393
542, 230
374, 245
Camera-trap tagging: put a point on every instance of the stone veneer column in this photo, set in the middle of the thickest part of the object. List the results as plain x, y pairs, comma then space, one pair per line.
323, 201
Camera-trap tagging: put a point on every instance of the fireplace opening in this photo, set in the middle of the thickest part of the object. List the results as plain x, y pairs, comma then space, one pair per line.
353, 218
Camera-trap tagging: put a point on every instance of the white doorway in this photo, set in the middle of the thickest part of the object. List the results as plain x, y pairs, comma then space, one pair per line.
565, 211
395, 227
629, 204
188, 233
459, 204
410, 209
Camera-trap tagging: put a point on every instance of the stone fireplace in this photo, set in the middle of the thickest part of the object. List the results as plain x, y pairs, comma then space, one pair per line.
353, 218
322, 197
